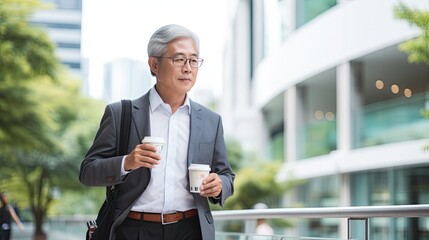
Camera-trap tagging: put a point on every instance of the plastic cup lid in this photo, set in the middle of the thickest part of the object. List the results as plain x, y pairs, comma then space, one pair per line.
153, 139
199, 167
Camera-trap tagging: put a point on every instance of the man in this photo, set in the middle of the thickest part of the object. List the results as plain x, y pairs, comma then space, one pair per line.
153, 199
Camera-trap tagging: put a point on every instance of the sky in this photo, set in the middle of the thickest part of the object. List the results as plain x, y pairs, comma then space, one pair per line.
114, 29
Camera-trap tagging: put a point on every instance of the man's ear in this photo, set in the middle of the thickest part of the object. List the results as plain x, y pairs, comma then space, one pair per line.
153, 64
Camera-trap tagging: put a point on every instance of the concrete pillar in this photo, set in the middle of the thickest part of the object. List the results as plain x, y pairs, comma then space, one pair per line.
290, 121
348, 108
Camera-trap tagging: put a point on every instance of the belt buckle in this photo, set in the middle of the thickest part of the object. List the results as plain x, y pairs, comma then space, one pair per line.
167, 213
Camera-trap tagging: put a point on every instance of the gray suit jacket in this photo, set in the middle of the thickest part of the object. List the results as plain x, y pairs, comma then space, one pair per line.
102, 166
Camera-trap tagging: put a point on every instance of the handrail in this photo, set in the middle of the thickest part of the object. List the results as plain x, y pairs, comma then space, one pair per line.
351, 213
419, 210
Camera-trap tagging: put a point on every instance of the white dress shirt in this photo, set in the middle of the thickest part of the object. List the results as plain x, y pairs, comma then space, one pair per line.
167, 190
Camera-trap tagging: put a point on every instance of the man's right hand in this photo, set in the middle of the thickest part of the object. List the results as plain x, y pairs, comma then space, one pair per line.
143, 155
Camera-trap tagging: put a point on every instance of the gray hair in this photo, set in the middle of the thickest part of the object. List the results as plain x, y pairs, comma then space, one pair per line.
158, 42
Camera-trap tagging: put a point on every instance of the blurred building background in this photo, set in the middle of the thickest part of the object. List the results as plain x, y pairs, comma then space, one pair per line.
125, 79
122, 78
318, 85
321, 86
63, 23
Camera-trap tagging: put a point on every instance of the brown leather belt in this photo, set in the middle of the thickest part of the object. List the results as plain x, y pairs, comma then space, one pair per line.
165, 218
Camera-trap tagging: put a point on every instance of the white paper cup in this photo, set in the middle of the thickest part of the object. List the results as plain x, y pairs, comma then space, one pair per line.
197, 173
159, 142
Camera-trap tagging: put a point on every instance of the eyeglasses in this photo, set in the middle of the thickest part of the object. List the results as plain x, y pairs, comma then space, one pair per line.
181, 61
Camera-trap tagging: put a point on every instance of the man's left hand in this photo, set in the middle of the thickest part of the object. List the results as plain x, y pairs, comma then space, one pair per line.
212, 186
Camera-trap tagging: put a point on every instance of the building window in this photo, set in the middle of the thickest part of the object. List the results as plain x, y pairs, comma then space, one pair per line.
393, 186
306, 10
68, 45
66, 4
73, 65
57, 25
320, 192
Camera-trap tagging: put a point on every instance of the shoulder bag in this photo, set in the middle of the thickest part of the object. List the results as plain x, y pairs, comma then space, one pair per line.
100, 228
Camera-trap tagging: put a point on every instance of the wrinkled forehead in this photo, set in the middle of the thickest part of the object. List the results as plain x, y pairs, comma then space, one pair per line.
182, 46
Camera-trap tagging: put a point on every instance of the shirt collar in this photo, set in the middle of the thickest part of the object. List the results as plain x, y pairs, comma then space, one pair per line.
155, 101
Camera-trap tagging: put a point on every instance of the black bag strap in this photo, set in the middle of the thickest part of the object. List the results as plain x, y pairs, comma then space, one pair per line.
125, 127
124, 139
105, 212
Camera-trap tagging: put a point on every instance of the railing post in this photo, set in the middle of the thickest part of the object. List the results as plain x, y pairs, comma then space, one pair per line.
349, 232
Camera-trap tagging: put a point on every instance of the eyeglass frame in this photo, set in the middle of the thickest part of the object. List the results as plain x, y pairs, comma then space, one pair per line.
200, 61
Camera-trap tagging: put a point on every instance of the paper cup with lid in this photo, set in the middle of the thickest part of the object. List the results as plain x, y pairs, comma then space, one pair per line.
197, 173
159, 142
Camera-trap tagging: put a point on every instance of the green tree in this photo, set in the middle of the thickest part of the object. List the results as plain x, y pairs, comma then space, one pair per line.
235, 154
25, 53
44, 130
417, 48
44, 172
256, 184
255, 179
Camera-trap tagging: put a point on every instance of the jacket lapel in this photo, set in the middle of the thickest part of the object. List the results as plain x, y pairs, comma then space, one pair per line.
196, 128
141, 117
141, 120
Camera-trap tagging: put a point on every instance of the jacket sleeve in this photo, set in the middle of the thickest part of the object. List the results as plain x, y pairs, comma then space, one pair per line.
101, 166
222, 167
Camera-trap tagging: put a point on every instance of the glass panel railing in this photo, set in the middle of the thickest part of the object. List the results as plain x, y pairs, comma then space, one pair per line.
74, 227
247, 236
350, 217
394, 121
77, 230
321, 228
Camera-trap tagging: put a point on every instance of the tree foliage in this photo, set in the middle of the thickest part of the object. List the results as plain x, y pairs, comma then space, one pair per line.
43, 172
255, 180
257, 183
235, 154
45, 124
417, 48
25, 53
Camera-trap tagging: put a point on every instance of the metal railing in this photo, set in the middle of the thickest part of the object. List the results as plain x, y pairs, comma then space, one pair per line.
350, 213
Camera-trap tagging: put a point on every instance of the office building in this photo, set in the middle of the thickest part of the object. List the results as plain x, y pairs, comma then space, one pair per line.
125, 79
62, 22
322, 86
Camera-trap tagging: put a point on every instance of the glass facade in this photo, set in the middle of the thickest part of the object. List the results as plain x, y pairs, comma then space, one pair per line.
344, 107
320, 192
395, 120
57, 25
384, 118
306, 10
393, 187
66, 4
274, 119
317, 134
319, 137
369, 188
63, 24
277, 147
